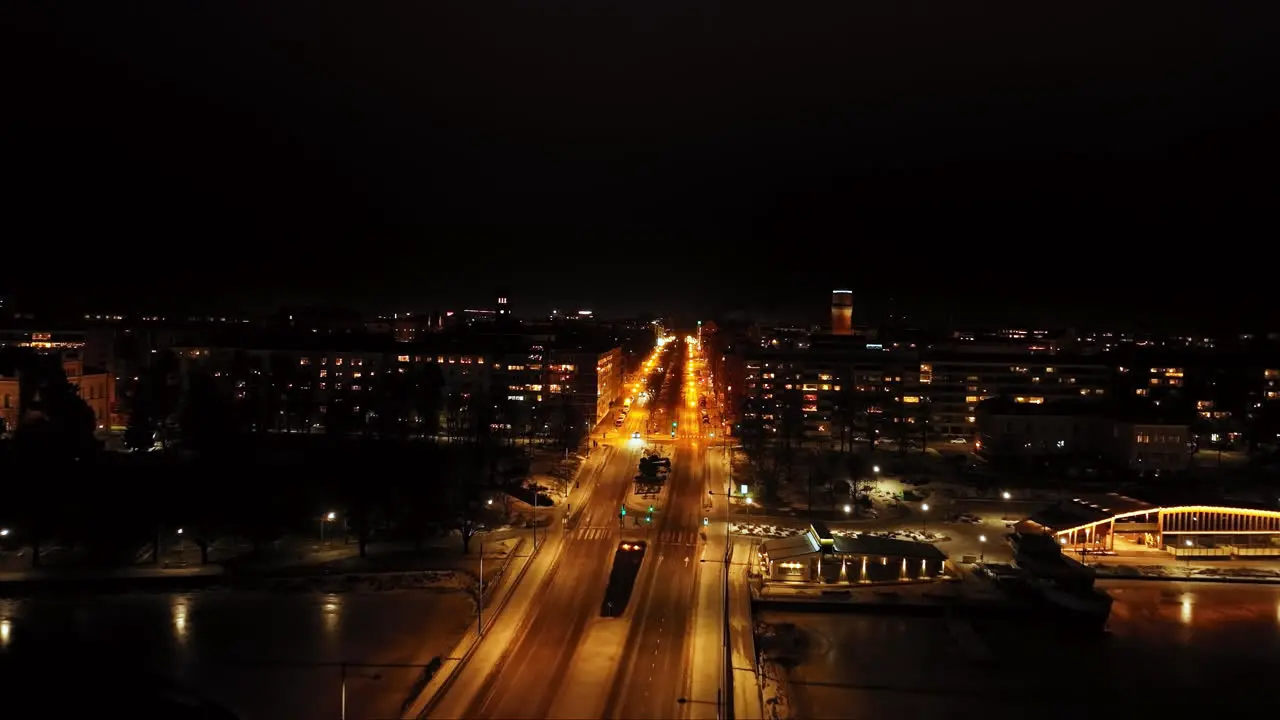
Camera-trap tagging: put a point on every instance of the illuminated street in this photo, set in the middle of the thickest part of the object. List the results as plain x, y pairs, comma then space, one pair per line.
566, 659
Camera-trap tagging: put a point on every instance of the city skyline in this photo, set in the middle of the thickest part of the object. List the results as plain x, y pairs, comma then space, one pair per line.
645, 361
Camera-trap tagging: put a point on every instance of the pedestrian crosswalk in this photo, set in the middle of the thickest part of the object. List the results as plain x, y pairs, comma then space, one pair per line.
666, 537
592, 533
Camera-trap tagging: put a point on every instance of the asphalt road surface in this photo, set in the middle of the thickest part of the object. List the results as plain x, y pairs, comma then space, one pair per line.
526, 682
652, 671
652, 675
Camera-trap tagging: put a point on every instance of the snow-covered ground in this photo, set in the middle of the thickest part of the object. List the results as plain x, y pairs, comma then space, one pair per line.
1174, 572
778, 531
449, 580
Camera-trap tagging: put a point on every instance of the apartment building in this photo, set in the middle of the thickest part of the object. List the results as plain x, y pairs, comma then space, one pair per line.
293, 381
95, 386
1232, 392
809, 380
590, 377
296, 378
955, 382
1082, 433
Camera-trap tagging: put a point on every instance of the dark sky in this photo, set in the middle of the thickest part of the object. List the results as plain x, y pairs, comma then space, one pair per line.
959, 156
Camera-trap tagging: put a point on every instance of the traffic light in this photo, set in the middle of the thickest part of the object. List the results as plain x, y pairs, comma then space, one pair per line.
623, 513
674, 423
706, 521
649, 519
651, 509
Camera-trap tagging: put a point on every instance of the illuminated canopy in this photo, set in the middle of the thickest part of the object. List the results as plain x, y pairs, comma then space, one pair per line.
1086, 511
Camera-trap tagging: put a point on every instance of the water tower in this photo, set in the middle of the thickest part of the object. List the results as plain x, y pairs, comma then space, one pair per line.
841, 312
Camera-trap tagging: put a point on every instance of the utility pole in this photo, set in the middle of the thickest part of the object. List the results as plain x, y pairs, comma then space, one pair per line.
480, 593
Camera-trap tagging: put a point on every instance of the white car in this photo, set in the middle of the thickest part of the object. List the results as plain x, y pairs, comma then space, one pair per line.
635, 435
959, 441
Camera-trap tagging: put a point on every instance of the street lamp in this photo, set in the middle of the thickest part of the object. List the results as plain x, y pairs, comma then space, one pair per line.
4, 532
1005, 495
982, 548
1188, 544
848, 509
325, 520
924, 522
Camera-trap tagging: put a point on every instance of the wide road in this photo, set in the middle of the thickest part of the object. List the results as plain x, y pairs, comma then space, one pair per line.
653, 665
654, 670
526, 682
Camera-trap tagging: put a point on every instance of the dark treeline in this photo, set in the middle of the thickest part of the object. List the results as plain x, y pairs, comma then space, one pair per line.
61, 487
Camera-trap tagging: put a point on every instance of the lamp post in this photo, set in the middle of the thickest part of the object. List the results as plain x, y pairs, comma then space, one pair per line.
324, 520
343, 671
924, 521
1189, 544
982, 548
480, 594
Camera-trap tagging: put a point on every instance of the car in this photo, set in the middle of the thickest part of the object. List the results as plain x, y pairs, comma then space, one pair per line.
959, 441
635, 435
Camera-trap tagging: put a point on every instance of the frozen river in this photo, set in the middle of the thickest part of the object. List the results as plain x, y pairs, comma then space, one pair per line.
264, 655
1169, 646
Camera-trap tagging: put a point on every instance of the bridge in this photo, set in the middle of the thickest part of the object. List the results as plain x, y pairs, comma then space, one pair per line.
1092, 522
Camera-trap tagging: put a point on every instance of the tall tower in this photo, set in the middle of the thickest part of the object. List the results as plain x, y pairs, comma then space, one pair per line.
502, 307
841, 312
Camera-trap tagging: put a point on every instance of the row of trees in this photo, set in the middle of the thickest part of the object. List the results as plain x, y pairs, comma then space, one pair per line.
253, 396
232, 477
777, 448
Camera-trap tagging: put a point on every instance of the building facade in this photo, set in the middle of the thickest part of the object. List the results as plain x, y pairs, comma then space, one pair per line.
1081, 434
96, 387
589, 379
955, 382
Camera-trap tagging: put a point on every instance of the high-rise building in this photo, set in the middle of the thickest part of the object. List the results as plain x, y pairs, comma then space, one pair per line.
841, 312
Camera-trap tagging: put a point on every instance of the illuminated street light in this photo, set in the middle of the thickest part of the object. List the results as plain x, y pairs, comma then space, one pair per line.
982, 555
848, 509
4, 532
325, 520
875, 469
1005, 495
924, 518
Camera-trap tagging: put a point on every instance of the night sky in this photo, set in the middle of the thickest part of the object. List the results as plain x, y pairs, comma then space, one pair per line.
966, 158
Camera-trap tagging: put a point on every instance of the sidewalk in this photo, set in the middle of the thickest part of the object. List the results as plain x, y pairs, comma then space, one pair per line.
461, 675
707, 681
747, 701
